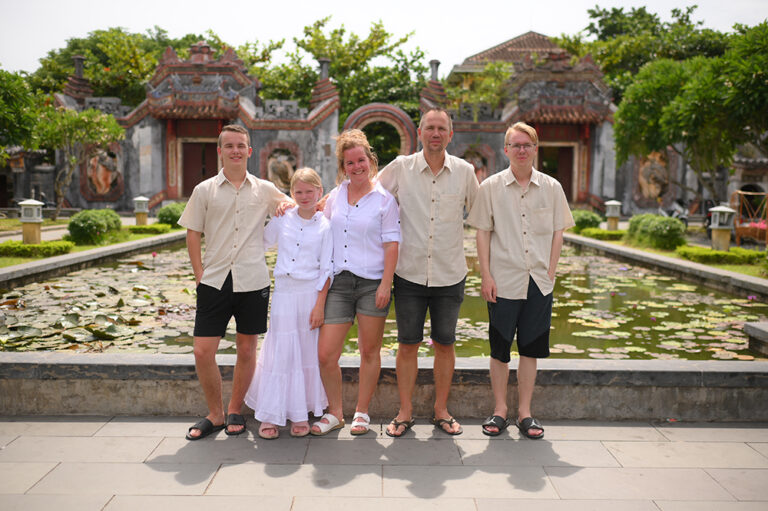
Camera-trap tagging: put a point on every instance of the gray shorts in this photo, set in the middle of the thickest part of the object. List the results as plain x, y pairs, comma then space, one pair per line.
350, 295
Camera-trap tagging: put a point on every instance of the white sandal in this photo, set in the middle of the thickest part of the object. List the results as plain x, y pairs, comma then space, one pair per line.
325, 428
365, 423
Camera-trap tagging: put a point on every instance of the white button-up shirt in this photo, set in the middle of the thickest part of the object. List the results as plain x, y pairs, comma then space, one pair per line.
432, 217
304, 247
360, 231
522, 223
232, 221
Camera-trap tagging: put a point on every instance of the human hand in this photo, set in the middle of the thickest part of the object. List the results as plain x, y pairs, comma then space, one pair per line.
316, 317
283, 207
382, 295
488, 289
551, 274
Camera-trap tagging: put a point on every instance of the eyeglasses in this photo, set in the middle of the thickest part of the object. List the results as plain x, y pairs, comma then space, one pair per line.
525, 147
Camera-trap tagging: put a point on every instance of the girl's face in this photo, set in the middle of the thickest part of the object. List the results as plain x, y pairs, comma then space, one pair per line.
305, 195
356, 165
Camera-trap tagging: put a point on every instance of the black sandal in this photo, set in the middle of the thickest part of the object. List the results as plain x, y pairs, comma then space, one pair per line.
396, 423
496, 421
206, 427
235, 419
527, 424
450, 421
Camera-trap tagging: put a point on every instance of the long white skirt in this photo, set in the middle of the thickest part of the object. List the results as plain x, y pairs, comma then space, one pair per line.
287, 384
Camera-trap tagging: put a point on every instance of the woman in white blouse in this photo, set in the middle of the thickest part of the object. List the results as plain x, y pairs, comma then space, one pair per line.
365, 223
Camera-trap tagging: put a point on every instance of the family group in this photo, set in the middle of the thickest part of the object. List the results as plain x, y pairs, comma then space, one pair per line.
341, 258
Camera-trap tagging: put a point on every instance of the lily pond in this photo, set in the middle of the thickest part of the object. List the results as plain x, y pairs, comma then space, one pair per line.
603, 309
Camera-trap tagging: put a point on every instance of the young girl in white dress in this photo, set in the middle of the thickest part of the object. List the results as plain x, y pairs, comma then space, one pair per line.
287, 384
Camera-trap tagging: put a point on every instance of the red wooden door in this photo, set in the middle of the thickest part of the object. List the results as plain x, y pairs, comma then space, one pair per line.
200, 162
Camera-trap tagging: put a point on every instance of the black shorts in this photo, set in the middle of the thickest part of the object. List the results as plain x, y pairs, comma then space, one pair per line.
215, 307
531, 318
411, 303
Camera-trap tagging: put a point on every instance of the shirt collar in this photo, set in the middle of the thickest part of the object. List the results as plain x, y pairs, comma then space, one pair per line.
422, 164
221, 179
510, 178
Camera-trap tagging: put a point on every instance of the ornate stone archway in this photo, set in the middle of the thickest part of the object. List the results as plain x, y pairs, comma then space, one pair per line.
390, 114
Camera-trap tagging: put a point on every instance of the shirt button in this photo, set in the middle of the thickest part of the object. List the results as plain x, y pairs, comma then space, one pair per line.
297, 244
295, 259
432, 219
523, 215
345, 246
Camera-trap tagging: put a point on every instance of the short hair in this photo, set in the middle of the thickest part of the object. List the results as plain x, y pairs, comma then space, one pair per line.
438, 110
349, 139
307, 175
522, 128
235, 128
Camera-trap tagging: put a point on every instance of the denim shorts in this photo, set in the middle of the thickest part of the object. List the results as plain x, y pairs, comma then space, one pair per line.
411, 303
350, 295
215, 307
529, 318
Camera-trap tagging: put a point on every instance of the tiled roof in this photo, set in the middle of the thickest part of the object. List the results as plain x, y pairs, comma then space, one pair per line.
516, 49
562, 115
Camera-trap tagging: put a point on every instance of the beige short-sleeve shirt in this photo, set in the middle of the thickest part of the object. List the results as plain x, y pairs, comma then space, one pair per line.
431, 217
522, 223
232, 221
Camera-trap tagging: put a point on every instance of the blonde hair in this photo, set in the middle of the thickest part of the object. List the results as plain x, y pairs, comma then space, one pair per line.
235, 128
350, 139
308, 176
522, 128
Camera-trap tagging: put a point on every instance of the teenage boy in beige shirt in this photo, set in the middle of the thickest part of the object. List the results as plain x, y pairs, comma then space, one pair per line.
232, 279
432, 188
520, 215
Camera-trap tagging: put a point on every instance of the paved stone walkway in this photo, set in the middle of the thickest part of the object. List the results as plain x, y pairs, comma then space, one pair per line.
130, 463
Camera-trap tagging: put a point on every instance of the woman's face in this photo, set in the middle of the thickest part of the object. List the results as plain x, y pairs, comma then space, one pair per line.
305, 195
356, 165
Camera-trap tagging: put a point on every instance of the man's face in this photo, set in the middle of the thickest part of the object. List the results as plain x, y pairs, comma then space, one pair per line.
520, 150
234, 150
435, 133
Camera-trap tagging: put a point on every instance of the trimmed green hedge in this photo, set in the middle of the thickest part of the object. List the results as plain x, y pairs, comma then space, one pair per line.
656, 231
706, 255
14, 248
171, 213
150, 229
584, 219
602, 234
93, 226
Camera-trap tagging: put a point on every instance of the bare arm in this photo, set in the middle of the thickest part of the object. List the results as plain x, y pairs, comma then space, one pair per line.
194, 248
390, 262
554, 255
317, 316
488, 286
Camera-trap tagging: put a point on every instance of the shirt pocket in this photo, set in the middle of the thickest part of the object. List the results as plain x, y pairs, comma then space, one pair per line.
450, 207
541, 221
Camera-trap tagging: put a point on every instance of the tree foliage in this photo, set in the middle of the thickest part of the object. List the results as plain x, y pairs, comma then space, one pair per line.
76, 134
625, 41
490, 86
17, 113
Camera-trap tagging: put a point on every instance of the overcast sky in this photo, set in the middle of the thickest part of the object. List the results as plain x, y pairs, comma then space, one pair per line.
448, 31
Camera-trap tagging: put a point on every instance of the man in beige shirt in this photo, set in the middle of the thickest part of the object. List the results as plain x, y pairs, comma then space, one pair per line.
232, 279
432, 188
520, 215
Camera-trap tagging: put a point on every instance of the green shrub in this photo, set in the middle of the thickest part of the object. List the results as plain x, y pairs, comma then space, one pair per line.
45, 249
171, 213
150, 229
706, 255
585, 219
656, 231
93, 226
602, 234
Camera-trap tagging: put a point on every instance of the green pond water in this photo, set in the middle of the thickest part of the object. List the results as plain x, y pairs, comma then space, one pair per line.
602, 309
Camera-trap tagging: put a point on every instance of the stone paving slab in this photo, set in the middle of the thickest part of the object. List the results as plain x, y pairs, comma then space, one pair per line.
126, 479
528, 453
762, 448
46, 426
467, 482
380, 504
636, 484
383, 451
297, 480
566, 505
665, 505
79, 449
744, 484
686, 454
593, 430
718, 432
146, 426
227, 450
20, 477
197, 503
53, 502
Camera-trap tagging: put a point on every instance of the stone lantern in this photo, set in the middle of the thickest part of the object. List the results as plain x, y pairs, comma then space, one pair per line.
612, 214
31, 221
722, 224
141, 209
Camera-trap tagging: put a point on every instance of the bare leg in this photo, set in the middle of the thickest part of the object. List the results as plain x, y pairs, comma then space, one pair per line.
407, 368
445, 361
526, 379
245, 365
499, 379
210, 379
371, 331
329, 347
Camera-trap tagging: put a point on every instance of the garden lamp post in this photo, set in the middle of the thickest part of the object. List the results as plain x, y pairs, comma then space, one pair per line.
141, 209
612, 214
31, 221
722, 225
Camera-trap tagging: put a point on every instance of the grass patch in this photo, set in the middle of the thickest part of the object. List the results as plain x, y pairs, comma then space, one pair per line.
14, 224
